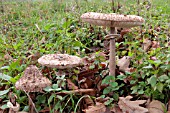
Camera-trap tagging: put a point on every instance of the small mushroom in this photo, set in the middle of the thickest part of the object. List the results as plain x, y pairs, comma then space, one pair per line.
60, 61
32, 81
112, 20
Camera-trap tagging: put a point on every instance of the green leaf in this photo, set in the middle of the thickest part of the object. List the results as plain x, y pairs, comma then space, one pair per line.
4, 67
159, 87
48, 89
148, 67
55, 86
163, 78
106, 90
22, 98
152, 80
134, 89
108, 79
168, 81
121, 77
4, 92
116, 96
140, 91
26, 108
4, 106
5, 77
77, 44
59, 97
113, 84
51, 98
57, 106
109, 101
41, 99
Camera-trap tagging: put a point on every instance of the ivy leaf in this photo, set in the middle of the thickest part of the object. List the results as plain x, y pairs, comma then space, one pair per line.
106, 90
159, 87
163, 78
108, 79
55, 86
152, 81
4, 92
113, 84
109, 101
4, 106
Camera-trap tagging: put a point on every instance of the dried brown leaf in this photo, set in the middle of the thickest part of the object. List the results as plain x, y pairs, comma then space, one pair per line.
98, 108
71, 85
155, 44
124, 31
8, 57
124, 63
147, 44
116, 109
131, 106
88, 101
169, 105
156, 107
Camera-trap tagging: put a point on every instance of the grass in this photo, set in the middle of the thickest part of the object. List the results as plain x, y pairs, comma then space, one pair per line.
43, 27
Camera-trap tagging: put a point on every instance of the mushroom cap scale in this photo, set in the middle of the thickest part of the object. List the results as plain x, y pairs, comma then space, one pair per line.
60, 61
32, 80
112, 19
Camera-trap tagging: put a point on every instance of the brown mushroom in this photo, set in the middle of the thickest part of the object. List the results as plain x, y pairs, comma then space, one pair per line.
112, 20
32, 81
60, 61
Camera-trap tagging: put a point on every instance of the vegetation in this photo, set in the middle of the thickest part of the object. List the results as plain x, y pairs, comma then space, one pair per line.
30, 29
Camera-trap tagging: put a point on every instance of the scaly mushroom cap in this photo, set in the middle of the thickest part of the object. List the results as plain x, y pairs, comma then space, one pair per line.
32, 80
60, 61
112, 20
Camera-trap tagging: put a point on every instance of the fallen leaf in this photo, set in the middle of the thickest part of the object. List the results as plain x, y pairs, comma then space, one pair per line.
153, 58
8, 57
116, 109
129, 106
169, 105
88, 101
124, 63
22, 112
71, 85
124, 31
147, 44
12, 108
156, 107
98, 108
155, 44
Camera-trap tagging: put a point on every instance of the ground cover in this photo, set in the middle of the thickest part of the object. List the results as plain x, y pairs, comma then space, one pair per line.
31, 29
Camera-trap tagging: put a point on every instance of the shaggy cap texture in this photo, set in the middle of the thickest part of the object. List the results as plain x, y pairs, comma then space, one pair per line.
60, 61
32, 80
112, 20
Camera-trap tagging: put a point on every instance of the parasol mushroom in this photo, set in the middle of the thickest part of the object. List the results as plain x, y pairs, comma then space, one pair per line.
112, 20
60, 61
32, 81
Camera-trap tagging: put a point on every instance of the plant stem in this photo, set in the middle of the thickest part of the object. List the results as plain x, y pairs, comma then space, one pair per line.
112, 60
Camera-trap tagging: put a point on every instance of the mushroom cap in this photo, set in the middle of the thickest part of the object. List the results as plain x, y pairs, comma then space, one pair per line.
112, 19
60, 61
32, 80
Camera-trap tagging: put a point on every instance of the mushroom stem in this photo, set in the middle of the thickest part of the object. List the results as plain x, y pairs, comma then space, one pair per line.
112, 54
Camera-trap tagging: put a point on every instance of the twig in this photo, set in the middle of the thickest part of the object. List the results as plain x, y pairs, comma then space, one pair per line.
30, 100
77, 91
